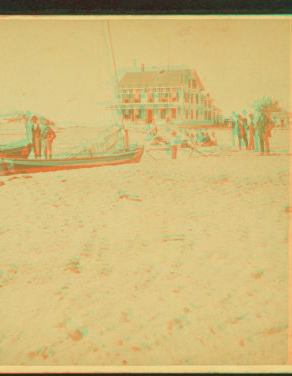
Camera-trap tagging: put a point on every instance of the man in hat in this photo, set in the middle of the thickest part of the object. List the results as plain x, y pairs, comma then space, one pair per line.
37, 141
251, 133
29, 137
49, 141
269, 125
261, 130
245, 128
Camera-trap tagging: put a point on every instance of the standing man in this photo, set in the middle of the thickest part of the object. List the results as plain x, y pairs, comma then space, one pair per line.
50, 136
268, 131
256, 116
242, 127
251, 133
245, 128
175, 141
237, 130
233, 126
37, 137
29, 136
34, 136
261, 130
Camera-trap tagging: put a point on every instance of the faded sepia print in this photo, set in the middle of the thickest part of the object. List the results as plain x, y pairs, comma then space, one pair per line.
144, 191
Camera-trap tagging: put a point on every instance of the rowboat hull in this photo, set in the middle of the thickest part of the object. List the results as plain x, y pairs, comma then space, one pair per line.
12, 150
20, 165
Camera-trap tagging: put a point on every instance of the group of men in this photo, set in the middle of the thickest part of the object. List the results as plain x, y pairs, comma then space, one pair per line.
252, 132
40, 137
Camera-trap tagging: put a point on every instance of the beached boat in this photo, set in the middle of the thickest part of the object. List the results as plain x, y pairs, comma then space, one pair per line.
13, 149
84, 156
110, 158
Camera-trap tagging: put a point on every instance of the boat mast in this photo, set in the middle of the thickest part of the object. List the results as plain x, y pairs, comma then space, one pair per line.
112, 51
108, 41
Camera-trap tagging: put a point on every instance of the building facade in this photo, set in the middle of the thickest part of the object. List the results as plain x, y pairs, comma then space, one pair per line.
171, 96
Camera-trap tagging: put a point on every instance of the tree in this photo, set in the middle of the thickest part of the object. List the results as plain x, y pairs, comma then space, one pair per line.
266, 103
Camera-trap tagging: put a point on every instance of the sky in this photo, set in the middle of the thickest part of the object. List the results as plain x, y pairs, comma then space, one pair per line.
60, 67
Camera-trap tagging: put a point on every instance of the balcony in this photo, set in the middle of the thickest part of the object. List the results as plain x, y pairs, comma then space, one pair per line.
149, 99
131, 100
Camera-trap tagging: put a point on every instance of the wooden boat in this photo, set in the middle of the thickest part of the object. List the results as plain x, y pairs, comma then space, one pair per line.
13, 149
110, 158
86, 158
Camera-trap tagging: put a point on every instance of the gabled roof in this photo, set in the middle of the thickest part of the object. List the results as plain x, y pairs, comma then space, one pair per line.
157, 77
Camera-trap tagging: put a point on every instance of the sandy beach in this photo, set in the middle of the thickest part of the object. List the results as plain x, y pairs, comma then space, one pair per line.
164, 262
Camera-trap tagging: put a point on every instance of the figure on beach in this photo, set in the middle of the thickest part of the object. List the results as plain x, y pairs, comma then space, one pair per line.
268, 131
207, 138
237, 131
175, 141
36, 130
201, 136
37, 137
242, 129
29, 138
233, 131
48, 139
245, 128
251, 133
260, 127
214, 139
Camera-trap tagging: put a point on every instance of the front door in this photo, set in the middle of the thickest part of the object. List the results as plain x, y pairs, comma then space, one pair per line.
149, 116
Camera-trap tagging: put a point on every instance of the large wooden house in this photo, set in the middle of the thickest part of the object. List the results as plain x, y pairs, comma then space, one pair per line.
171, 96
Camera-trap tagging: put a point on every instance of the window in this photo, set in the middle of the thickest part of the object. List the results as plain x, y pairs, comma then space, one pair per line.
197, 99
173, 113
187, 114
174, 95
189, 83
150, 95
197, 114
192, 98
192, 114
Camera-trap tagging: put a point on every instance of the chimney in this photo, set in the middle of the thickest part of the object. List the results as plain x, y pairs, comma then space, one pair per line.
142, 67
135, 63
